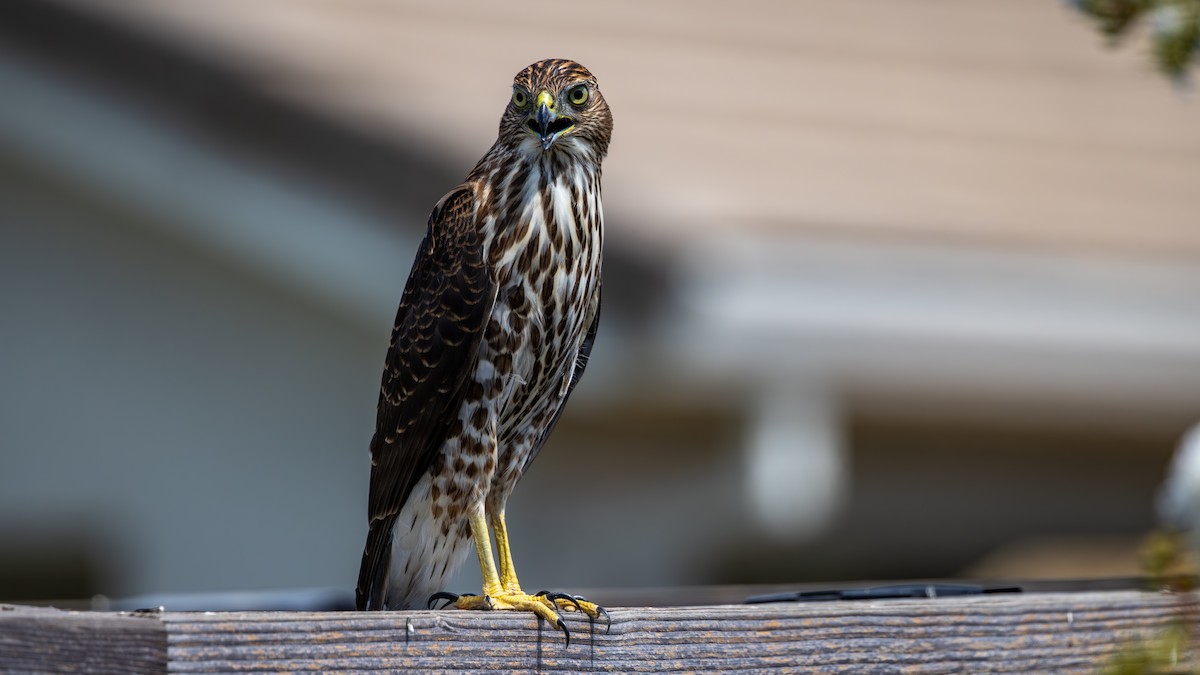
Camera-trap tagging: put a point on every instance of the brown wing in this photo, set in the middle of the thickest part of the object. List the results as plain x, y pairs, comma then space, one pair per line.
442, 315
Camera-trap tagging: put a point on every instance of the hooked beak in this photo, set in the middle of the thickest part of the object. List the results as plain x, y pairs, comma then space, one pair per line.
547, 124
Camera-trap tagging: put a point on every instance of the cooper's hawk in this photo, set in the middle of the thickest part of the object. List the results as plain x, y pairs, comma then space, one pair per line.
493, 332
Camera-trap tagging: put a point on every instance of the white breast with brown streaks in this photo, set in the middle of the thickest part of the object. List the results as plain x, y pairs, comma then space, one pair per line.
547, 269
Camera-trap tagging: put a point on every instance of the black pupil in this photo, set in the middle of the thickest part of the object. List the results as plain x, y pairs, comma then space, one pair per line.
577, 95
519, 98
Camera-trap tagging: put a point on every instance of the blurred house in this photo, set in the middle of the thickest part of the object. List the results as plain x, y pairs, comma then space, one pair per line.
889, 286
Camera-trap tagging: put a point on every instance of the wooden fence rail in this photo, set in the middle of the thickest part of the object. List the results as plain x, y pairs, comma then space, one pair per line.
1019, 633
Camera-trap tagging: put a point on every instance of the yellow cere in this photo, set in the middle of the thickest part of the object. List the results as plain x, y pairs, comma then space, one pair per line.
545, 99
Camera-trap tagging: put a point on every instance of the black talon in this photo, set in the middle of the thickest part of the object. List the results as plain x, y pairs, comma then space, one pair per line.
573, 599
563, 596
566, 632
450, 599
603, 611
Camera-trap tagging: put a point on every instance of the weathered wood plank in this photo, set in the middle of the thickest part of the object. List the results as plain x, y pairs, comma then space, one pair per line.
40, 640
1026, 633
1030, 633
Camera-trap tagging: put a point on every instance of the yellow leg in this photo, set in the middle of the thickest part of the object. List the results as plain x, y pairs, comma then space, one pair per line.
483, 549
500, 587
508, 573
495, 594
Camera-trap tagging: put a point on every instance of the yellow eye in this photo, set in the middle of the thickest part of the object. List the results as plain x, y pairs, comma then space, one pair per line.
578, 96
520, 98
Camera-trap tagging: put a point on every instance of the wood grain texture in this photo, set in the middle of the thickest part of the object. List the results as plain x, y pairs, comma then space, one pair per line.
1025, 633
1032, 633
40, 640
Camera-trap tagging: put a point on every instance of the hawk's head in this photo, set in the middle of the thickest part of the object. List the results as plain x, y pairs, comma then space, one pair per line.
556, 105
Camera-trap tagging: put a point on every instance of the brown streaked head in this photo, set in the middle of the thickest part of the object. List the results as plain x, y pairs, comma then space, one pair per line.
556, 104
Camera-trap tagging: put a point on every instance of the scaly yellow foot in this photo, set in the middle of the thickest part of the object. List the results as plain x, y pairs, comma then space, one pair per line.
502, 591
508, 577
518, 601
542, 604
